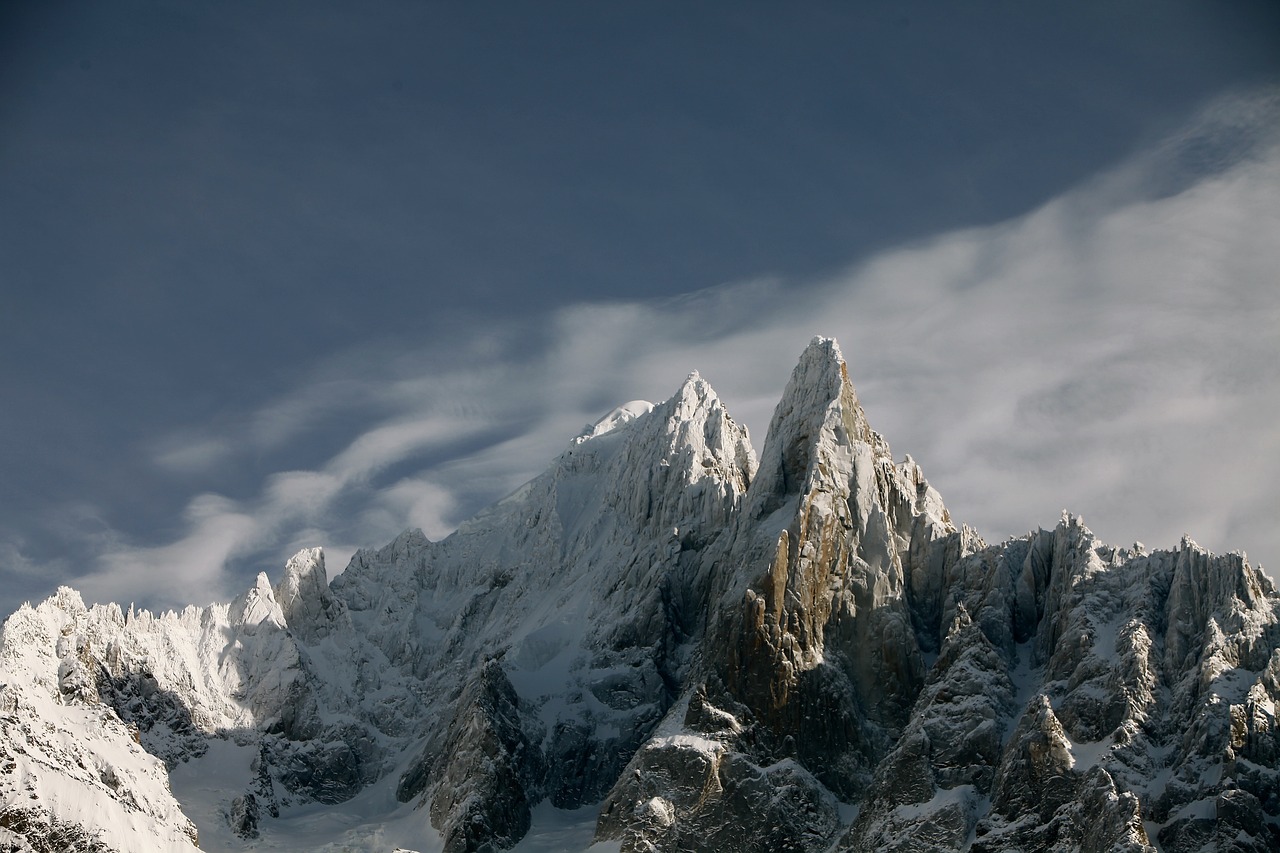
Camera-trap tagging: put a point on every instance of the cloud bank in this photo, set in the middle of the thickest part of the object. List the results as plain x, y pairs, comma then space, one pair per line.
1113, 352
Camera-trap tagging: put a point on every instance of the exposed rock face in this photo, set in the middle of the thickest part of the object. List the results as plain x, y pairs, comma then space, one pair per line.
692, 793
1108, 747
306, 604
805, 654
486, 775
814, 655
1082, 697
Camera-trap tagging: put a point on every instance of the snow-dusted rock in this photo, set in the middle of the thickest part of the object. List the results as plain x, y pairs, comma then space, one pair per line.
804, 654
72, 774
582, 590
306, 604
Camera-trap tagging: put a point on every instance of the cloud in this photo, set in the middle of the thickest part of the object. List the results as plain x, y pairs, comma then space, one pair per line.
19, 567
414, 502
1112, 357
186, 571
1112, 352
389, 443
192, 455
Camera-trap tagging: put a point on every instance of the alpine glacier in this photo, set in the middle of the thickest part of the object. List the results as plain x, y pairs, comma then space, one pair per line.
663, 643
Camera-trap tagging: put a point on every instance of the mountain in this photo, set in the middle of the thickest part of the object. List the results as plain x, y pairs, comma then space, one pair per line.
687, 647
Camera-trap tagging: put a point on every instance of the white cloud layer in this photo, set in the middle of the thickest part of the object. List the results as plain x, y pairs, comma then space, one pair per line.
1113, 352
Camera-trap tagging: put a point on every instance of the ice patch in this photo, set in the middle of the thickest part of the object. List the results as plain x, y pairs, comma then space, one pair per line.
620, 416
706, 746
206, 786
556, 830
961, 795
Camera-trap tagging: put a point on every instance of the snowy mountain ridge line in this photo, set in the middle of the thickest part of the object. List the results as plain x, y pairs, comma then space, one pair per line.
709, 651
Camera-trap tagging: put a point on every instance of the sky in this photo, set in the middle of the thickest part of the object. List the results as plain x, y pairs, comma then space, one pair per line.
297, 273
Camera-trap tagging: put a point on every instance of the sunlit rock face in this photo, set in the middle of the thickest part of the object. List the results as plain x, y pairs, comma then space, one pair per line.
802, 652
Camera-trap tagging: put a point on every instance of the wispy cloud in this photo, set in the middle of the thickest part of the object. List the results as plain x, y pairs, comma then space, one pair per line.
188, 570
192, 455
1112, 352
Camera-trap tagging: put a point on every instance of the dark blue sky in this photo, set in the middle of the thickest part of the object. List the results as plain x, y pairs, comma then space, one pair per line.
206, 206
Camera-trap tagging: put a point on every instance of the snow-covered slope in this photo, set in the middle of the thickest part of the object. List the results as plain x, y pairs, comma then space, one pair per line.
707, 653
72, 774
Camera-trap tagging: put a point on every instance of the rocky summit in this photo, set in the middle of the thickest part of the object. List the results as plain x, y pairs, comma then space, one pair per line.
696, 649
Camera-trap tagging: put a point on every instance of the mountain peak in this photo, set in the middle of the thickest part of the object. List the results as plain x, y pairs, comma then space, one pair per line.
823, 354
715, 654
693, 394
258, 606
303, 594
818, 412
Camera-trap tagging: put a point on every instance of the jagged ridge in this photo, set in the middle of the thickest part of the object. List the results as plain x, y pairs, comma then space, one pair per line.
727, 655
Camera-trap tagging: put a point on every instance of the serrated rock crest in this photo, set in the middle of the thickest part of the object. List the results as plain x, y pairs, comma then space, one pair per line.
719, 653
